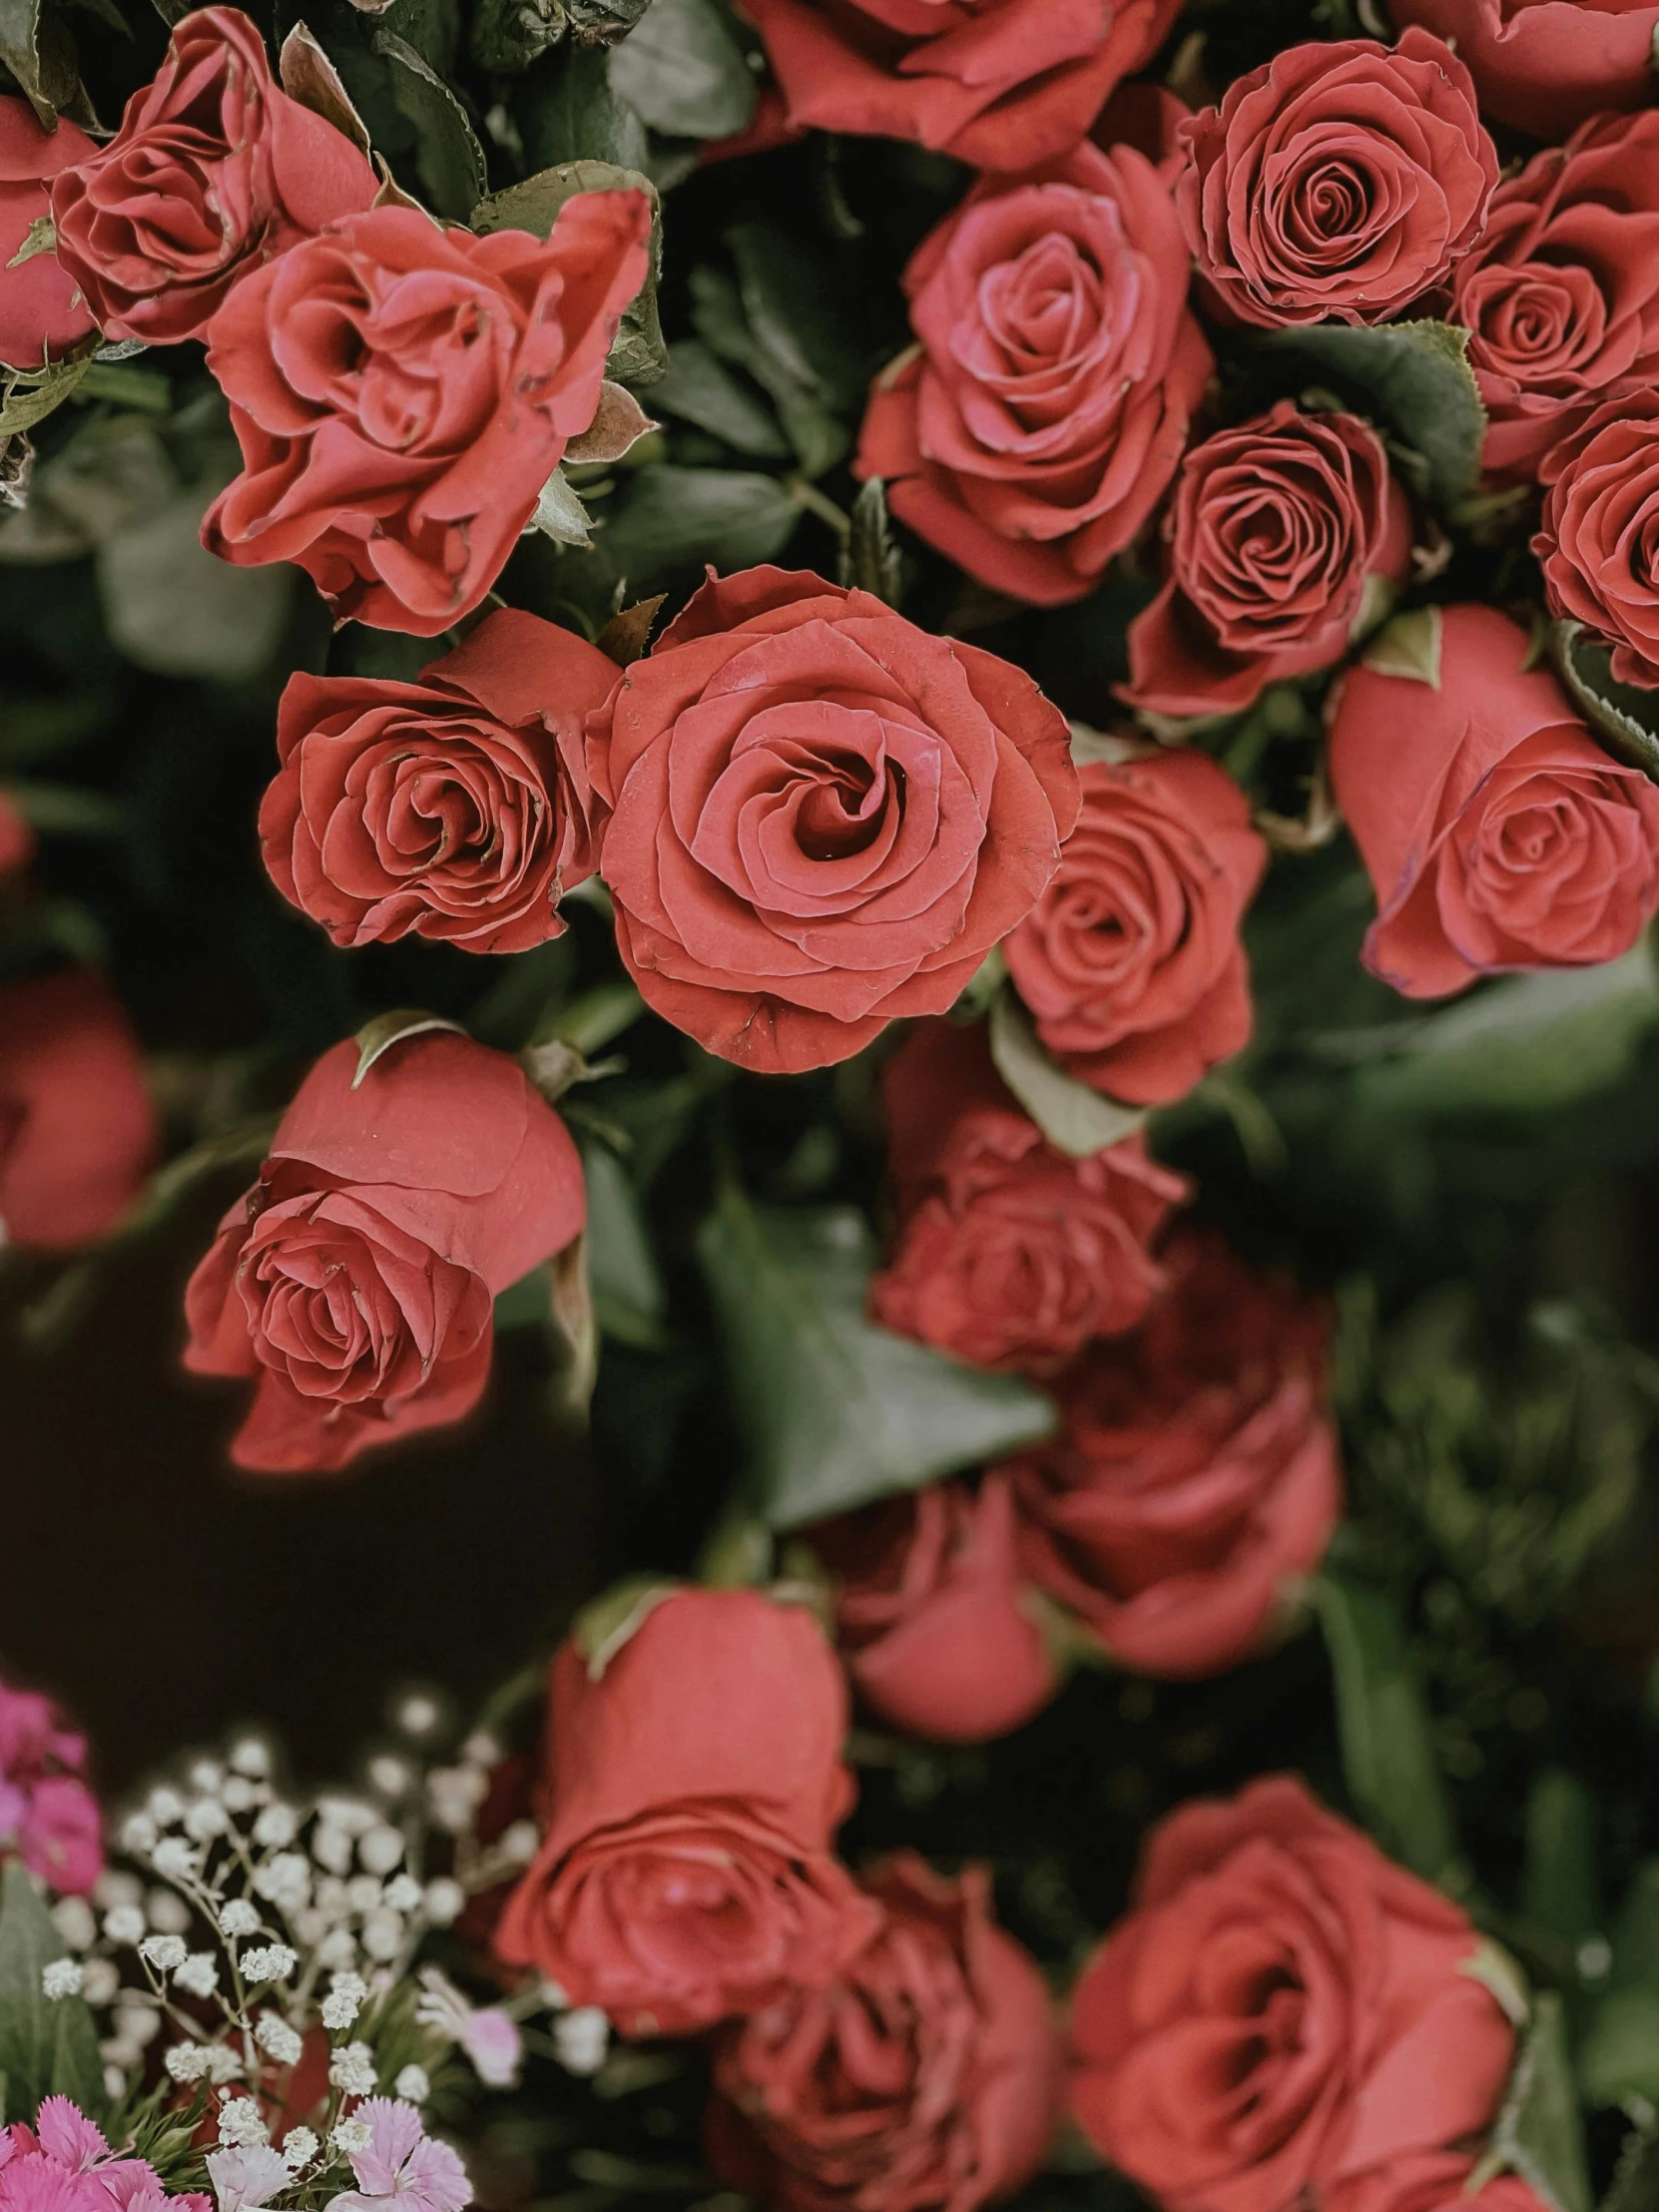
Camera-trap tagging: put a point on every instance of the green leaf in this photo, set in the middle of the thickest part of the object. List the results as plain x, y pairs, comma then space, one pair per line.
1075, 1118
684, 72
568, 112
638, 355
836, 1411
175, 609
527, 1303
1538, 2133
677, 518
41, 55
870, 558
1387, 1754
1619, 2054
28, 396
629, 1297
379, 1035
508, 35
560, 515
1559, 1888
1624, 716
1415, 377
783, 321
1408, 646
448, 158
48, 2047
700, 388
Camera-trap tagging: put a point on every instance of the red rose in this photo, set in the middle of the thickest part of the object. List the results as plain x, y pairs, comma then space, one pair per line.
857, 812
213, 171
41, 314
17, 840
354, 1281
1196, 1478
1279, 534
933, 1622
1497, 834
457, 808
1544, 65
926, 2078
691, 1792
78, 1131
402, 484
1431, 2181
1340, 180
1008, 1253
1599, 534
1130, 962
1282, 2009
1003, 83
1039, 421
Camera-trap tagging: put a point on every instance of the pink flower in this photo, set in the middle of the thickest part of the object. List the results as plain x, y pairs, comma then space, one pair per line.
48, 1816
244, 2180
401, 2161
64, 2164
492, 2041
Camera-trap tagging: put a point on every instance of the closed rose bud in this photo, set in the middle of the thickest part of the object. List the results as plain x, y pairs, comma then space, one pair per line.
78, 1131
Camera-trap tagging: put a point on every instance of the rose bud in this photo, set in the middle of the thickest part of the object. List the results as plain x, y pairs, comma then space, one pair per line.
1339, 181
1038, 423
1196, 1479
42, 315
691, 1793
1271, 1945
1543, 65
928, 2077
78, 1131
1431, 2181
354, 1283
1497, 833
1597, 530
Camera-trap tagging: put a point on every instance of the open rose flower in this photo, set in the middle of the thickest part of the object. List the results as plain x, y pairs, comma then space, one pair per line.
354, 1283
824, 818
691, 1794
214, 171
1039, 419
928, 2075
1544, 65
457, 808
1496, 832
1280, 535
1599, 538
1280, 2009
48, 1816
1008, 1253
77, 1130
402, 393
1431, 2181
1196, 1478
1339, 181
1003, 83
42, 315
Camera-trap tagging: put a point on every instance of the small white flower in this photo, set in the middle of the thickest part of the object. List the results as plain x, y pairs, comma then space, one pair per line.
175, 1859
136, 2022
167, 1954
115, 1885
72, 1917
381, 1849
445, 1901
331, 1847
275, 1826
270, 1962
124, 1923
382, 1936
223, 2063
581, 2039
239, 1918
164, 1806
169, 1913
62, 1978
199, 1973
351, 1815
482, 1750
362, 1892
188, 2061
351, 2135
280, 2044
455, 1793
413, 2086
403, 1894
101, 1983
115, 2081
137, 1835
205, 1819
300, 2147
206, 1776
237, 1794
284, 1881
239, 2124
521, 1843
418, 1714
338, 1950
351, 2071
343, 2002
250, 1757
391, 1774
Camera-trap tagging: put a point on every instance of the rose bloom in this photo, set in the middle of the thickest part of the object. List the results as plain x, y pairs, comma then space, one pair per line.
1000, 84
1008, 1253
456, 808
1282, 2009
48, 1816
1431, 2181
1496, 832
42, 315
855, 814
938, 1630
1196, 1478
1037, 422
214, 171
691, 1794
402, 393
1280, 535
1339, 181
17, 840
1543, 65
1599, 534
1130, 963
78, 1131
354, 1283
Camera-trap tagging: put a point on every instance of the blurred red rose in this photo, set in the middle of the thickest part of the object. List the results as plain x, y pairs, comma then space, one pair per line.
1282, 2010
927, 2076
17, 840
1497, 833
1600, 528
857, 812
1431, 2181
1340, 180
401, 485
41, 312
457, 808
1544, 65
1008, 1253
1279, 534
1038, 423
1001, 83
78, 1131
1130, 962
213, 171
1196, 1478
690, 1791
354, 1281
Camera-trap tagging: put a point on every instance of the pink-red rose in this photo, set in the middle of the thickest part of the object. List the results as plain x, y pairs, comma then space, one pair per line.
403, 392
213, 171
48, 1816
1599, 538
78, 1131
17, 840
1196, 1478
1279, 535
1008, 1253
1497, 833
1003, 83
824, 818
1039, 418
456, 808
1340, 180
354, 1283
1431, 2181
1130, 963
1544, 65
691, 1792
42, 315
926, 2078
1282, 2009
